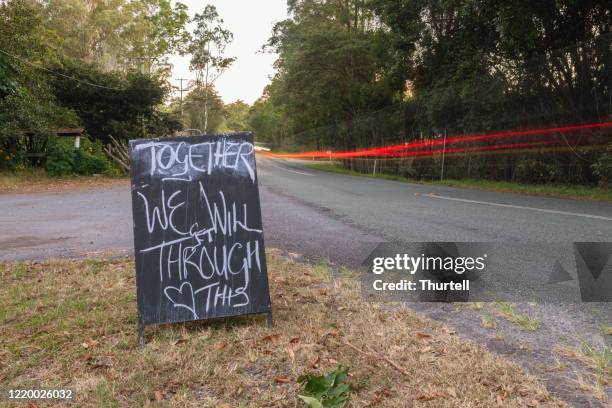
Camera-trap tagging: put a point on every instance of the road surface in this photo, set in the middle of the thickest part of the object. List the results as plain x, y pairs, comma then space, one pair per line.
340, 218
301, 205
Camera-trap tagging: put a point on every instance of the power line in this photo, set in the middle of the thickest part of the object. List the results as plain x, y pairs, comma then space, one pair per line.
64, 75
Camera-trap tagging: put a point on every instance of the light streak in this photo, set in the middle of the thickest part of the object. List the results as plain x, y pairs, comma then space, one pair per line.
393, 150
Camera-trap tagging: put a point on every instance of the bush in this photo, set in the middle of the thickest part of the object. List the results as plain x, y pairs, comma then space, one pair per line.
60, 158
12, 156
63, 159
534, 171
85, 163
602, 168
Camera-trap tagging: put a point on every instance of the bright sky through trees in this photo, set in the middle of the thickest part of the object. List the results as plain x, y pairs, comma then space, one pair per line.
251, 22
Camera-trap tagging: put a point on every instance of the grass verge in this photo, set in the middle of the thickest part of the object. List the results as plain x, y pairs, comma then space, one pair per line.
73, 323
37, 180
599, 362
508, 312
564, 191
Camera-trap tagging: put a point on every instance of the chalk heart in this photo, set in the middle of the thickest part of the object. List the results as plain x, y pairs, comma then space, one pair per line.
182, 297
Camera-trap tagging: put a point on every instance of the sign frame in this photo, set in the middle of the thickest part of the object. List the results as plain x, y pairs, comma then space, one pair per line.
157, 163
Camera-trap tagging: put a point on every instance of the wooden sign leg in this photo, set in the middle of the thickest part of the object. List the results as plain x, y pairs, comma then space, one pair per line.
140, 332
270, 322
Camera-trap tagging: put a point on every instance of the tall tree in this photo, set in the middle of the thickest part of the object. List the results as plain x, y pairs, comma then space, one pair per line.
204, 109
328, 67
117, 34
236, 116
124, 106
207, 49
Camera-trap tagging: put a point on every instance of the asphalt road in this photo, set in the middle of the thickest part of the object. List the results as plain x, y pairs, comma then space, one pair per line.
415, 212
341, 218
331, 216
529, 233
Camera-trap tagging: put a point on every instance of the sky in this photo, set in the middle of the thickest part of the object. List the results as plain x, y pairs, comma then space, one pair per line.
251, 22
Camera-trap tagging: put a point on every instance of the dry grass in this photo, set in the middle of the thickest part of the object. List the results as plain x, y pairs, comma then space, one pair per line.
599, 363
37, 181
508, 312
73, 323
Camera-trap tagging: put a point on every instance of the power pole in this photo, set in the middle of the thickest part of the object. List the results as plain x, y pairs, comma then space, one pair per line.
181, 90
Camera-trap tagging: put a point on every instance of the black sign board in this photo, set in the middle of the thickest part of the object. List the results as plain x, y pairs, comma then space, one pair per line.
198, 238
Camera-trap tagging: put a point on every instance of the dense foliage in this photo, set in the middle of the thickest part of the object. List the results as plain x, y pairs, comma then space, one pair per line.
359, 73
94, 64
350, 74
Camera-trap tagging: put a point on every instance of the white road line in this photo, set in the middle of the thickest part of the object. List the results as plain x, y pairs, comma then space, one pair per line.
293, 171
520, 207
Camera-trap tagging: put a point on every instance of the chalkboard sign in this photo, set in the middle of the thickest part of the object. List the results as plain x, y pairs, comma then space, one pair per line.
198, 237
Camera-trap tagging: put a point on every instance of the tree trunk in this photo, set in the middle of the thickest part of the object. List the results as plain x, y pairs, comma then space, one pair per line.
206, 94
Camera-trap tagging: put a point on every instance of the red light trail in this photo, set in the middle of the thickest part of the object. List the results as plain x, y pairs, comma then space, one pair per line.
509, 146
400, 150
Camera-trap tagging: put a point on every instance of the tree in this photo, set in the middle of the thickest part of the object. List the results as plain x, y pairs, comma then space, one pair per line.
328, 69
27, 102
125, 105
117, 34
268, 121
236, 116
207, 49
204, 109
156, 30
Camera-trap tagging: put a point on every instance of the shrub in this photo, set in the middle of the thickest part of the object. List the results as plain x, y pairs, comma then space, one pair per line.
602, 168
534, 171
60, 158
326, 391
12, 156
85, 163
63, 159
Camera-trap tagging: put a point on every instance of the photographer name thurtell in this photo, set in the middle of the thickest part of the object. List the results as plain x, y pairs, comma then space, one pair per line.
422, 284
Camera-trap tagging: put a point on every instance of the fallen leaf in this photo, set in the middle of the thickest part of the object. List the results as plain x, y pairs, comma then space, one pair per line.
423, 335
159, 396
99, 366
294, 340
178, 341
219, 346
379, 396
430, 397
272, 338
333, 333
523, 391
315, 363
282, 380
89, 344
